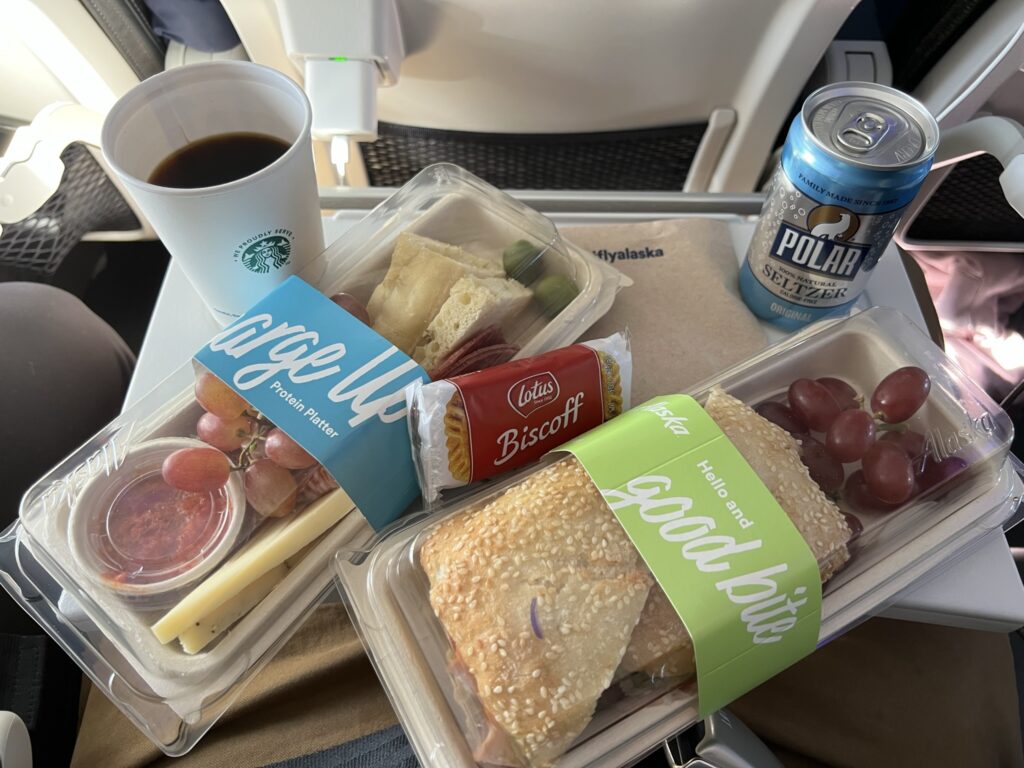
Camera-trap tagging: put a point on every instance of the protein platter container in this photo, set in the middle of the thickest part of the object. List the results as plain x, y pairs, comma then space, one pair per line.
174, 553
447, 655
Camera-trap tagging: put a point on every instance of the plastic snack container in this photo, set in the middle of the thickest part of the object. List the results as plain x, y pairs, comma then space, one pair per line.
452, 206
170, 599
386, 587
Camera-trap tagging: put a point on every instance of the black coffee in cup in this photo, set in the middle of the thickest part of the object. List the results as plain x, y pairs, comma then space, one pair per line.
217, 159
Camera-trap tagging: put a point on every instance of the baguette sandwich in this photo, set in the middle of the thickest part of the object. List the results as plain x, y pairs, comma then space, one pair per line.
660, 645
546, 601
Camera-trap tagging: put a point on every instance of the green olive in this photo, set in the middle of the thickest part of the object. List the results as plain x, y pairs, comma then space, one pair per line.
522, 261
554, 293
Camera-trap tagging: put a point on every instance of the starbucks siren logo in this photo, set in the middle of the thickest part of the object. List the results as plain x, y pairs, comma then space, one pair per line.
268, 251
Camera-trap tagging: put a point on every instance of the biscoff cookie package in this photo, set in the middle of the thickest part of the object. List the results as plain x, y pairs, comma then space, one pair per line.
481, 424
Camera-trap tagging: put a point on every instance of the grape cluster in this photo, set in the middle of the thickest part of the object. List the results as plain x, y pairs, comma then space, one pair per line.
827, 417
275, 468
279, 475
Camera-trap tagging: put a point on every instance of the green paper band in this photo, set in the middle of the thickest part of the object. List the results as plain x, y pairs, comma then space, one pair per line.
739, 574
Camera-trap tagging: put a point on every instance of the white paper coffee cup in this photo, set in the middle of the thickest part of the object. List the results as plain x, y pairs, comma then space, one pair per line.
234, 241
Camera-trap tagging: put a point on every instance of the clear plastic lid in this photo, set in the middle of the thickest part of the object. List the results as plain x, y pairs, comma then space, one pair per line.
170, 597
179, 548
451, 722
448, 257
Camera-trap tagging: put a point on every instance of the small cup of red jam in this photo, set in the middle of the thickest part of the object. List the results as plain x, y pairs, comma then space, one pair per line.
146, 540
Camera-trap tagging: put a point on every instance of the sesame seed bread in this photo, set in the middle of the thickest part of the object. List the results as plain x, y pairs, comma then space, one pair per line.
417, 284
474, 303
549, 546
775, 456
660, 645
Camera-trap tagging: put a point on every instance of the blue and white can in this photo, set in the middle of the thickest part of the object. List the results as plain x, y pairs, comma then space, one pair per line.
854, 158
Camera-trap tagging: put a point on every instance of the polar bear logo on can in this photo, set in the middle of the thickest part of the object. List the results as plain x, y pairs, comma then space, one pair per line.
833, 222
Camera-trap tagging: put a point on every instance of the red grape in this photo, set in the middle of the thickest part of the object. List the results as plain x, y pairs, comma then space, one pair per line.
218, 398
270, 489
845, 395
353, 306
888, 473
900, 394
850, 435
857, 495
200, 470
285, 452
937, 472
823, 468
226, 434
910, 441
783, 416
813, 403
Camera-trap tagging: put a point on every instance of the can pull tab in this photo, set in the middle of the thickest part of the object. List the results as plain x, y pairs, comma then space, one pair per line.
863, 132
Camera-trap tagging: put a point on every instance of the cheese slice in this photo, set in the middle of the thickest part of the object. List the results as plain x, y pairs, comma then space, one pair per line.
203, 632
258, 557
417, 283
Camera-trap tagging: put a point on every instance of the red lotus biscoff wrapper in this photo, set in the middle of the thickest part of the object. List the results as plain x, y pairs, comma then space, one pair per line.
471, 426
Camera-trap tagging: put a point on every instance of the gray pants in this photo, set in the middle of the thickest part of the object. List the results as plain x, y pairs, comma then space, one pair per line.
63, 375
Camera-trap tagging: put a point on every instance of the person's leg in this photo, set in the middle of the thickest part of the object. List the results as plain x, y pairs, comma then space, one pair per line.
893, 693
64, 374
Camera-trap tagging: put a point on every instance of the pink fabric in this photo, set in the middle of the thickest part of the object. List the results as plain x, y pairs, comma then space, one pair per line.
974, 295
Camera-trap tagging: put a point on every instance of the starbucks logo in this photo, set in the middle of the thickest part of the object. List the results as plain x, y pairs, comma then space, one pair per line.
266, 254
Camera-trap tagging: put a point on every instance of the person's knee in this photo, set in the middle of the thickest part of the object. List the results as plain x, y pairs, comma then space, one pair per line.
28, 304
65, 374
42, 323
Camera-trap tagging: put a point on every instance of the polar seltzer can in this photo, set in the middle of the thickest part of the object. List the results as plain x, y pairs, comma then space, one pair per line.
855, 156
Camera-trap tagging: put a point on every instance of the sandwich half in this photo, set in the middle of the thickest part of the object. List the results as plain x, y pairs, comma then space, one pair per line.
660, 646
545, 600
538, 591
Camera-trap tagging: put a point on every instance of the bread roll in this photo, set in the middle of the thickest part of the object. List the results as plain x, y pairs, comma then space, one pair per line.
538, 591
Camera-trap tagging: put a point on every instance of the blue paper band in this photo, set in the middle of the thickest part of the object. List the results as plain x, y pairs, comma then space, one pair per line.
333, 385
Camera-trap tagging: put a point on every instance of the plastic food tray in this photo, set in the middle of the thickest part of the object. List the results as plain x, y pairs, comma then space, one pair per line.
386, 590
173, 697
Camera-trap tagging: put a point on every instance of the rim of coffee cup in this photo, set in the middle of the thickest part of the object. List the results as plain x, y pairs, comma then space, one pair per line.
148, 87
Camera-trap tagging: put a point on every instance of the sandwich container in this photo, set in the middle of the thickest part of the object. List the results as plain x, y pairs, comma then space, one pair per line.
386, 588
104, 549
